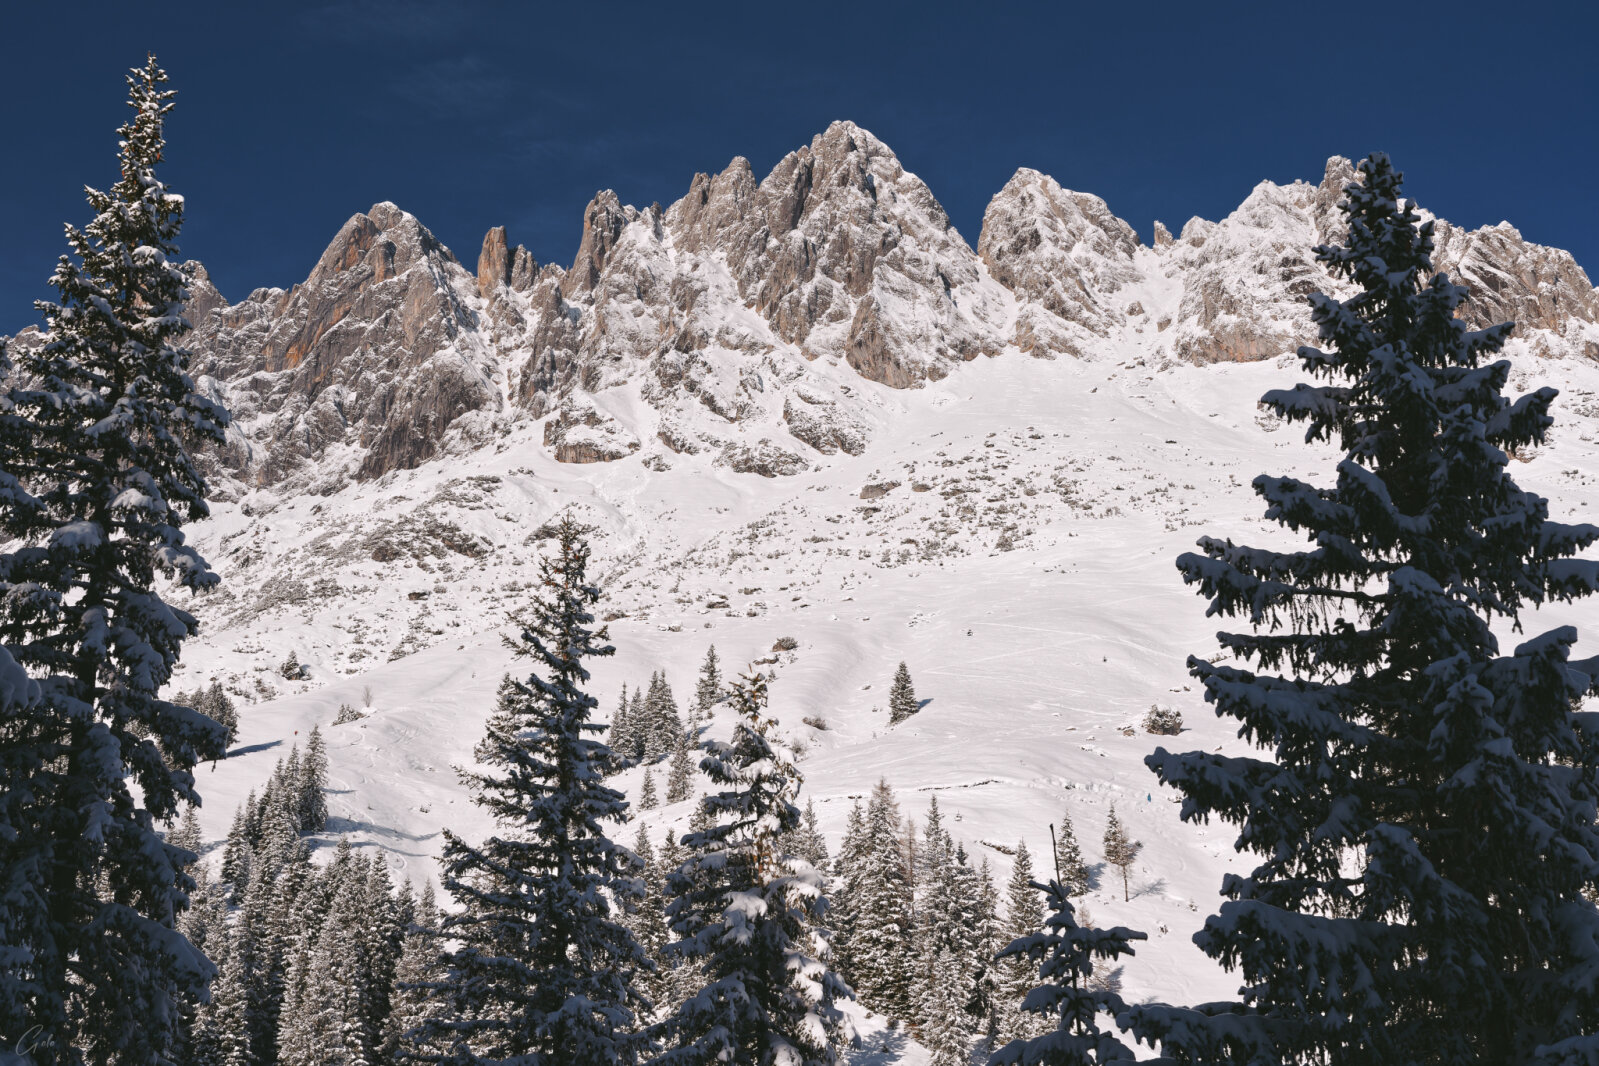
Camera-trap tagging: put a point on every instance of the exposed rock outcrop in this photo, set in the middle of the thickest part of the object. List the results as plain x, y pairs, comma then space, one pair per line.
1064, 255
360, 369
579, 432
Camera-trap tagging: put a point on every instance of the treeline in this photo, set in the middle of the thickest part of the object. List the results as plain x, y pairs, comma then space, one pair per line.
567, 947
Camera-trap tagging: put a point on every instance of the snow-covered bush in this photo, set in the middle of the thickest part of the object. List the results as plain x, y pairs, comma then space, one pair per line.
1163, 721
292, 670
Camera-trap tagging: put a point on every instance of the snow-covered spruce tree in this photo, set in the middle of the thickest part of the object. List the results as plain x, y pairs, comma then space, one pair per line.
750, 913
647, 918
1068, 1004
543, 970
665, 725
848, 868
1425, 805
311, 786
680, 774
948, 1006
806, 840
1120, 850
880, 909
1071, 870
411, 1007
902, 701
708, 691
219, 706
623, 735
988, 936
328, 1023
679, 977
1016, 975
646, 797
93, 504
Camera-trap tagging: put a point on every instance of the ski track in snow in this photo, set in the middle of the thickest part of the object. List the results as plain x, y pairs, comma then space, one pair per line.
1032, 659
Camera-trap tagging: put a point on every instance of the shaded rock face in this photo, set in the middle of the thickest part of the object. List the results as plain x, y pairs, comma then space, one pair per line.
838, 252
846, 254
359, 370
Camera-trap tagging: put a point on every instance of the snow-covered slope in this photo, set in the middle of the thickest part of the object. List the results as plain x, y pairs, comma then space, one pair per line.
1022, 566
696, 389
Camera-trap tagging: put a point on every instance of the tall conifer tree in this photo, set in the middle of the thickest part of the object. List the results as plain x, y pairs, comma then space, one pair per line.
1069, 1003
902, 701
98, 486
749, 913
1424, 804
1017, 975
543, 971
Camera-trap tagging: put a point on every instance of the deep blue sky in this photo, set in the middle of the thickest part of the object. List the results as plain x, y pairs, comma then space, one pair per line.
294, 116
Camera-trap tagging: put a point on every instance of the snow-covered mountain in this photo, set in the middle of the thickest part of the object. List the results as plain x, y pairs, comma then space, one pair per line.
801, 406
748, 312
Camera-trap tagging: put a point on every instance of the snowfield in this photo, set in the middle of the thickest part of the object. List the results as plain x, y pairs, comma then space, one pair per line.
1014, 547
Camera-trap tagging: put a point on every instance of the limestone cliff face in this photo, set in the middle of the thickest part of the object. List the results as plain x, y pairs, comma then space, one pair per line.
1541, 289
358, 370
750, 321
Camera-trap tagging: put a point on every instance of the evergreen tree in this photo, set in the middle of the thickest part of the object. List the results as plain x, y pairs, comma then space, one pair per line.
680, 976
97, 488
1024, 916
640, 719
382, 935
988, 938
849, 870
543, 968
311, 785
806, 840
647, 919
664, 725
223, 1026
330, 1024
1424, 804
948, 1001
946, 1030
680, 776
708, 692
646, 796
880, 911
902, 702
1119, 850
412, 1006
218, 705
624, 732
1069, 866
749, 912
1065, 953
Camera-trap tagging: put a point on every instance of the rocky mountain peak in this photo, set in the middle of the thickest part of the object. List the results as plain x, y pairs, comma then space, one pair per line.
366, 362
738, 322
1336, 176
1065, 254
604, 219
